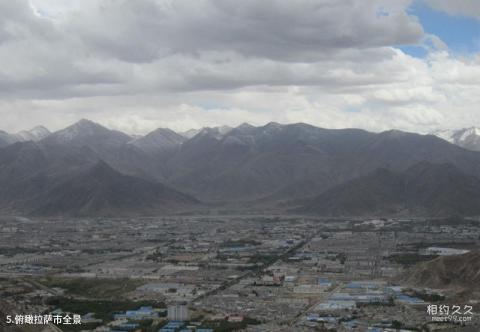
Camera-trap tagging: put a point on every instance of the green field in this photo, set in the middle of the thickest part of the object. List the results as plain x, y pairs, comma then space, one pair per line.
96, 288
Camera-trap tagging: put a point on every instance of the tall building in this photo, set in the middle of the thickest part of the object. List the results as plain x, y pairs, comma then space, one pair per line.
178, 312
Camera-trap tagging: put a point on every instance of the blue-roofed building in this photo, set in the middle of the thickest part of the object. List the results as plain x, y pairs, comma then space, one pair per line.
171, 326
353, 285
374, 329
175, 323
146, 310
312, 317
128, 326
396, 290
350, 324
409, 299
317, 318
371, 298
360, 298
361, 285
324, 282
327, 319
90, 318
342, 297
204, 330
141, 313
336, 305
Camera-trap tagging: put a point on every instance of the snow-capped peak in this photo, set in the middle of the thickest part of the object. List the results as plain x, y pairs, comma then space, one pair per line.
81, 128
217, 132
445, 134
468, 138
464, 134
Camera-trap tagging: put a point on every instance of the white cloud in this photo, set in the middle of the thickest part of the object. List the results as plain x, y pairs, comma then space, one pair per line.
138, 65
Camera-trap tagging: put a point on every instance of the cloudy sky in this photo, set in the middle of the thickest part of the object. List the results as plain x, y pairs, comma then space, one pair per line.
139, 65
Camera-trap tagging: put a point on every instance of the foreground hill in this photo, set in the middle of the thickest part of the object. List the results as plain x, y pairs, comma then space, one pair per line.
74, 181
447, 271
103, 191
422, 189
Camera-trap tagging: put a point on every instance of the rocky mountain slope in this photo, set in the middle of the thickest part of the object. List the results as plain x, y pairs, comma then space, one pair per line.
423, 189
103, 191
446, 272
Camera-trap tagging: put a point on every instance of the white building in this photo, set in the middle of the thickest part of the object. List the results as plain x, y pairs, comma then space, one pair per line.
445, 251
178, 312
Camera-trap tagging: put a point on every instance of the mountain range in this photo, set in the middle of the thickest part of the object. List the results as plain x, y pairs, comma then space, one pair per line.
34, 134
87, 169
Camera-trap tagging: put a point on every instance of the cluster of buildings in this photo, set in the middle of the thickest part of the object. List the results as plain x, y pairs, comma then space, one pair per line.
265, 273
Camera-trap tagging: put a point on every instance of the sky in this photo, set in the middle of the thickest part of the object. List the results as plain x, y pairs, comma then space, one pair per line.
139, 65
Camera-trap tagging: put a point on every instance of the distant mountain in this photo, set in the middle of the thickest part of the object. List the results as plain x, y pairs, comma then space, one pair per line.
5, 139
423, 189
101, 190
90, 134
36, 134
96, 142
190, 133
457, 271
158, 141
468, 138
249, 162
219, 131
281, 162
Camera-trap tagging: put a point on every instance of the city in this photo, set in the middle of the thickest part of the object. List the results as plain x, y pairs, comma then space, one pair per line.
222, 273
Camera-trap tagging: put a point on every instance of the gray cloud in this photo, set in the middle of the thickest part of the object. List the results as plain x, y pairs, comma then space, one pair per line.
136, 65
469, 8
303, 30
129, 47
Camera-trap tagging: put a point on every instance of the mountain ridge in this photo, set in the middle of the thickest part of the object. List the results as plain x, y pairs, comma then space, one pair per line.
253, 166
